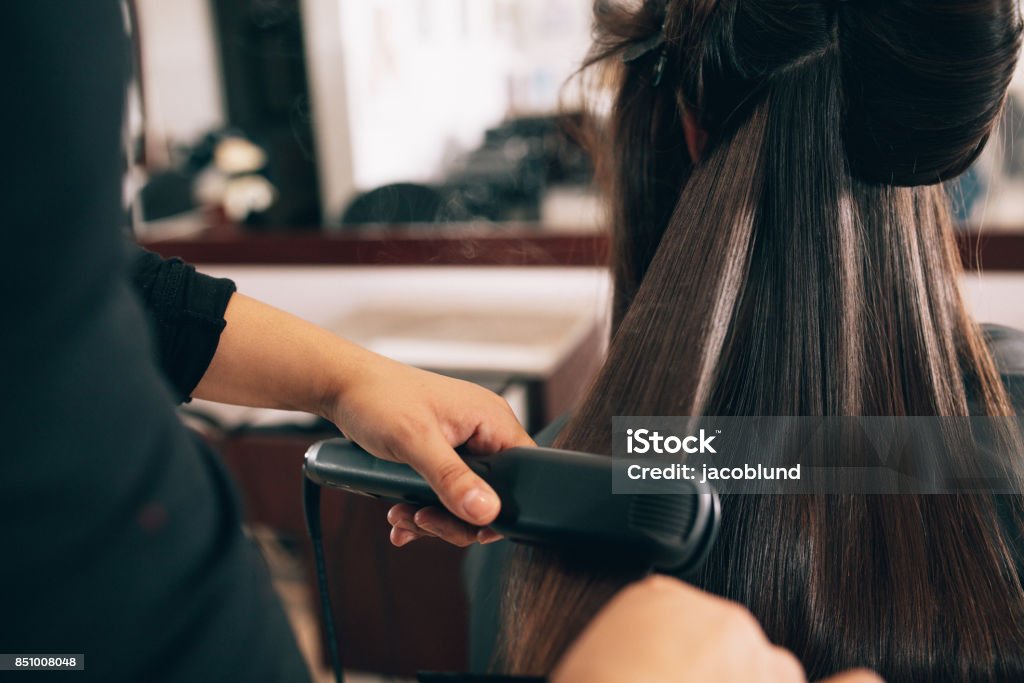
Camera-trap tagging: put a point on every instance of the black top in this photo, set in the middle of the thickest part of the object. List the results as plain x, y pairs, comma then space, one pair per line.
121, 533
186, 309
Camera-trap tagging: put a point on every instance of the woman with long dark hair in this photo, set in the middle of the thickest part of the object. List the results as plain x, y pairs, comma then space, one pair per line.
783, 246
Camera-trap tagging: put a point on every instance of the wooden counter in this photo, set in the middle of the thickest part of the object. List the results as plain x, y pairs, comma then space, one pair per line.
473, 245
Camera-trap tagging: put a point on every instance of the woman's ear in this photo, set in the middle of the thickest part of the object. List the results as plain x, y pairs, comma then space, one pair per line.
696, 137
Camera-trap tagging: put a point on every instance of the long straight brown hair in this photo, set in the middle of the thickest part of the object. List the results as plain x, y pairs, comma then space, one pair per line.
806, 265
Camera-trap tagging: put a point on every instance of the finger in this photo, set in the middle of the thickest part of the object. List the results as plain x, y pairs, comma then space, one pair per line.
787, 667
400, 537
419, 531
406, 537
403, 512
858, 676
404, 517
446, 527
486, 535
466, 495
499, 433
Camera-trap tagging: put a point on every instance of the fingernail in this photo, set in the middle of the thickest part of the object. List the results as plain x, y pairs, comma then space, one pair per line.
479, 505
485, 536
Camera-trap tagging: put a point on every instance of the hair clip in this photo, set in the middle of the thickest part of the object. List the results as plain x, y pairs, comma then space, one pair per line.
642, 49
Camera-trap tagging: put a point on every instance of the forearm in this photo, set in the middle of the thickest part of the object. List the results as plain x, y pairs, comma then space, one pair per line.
268, 358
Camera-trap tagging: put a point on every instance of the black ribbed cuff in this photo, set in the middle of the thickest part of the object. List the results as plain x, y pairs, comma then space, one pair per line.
199, 328
186, 310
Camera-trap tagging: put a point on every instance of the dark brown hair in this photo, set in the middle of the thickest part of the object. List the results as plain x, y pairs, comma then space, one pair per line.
804, 266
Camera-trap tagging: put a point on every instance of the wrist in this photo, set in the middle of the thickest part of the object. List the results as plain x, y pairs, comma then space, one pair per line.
345, 367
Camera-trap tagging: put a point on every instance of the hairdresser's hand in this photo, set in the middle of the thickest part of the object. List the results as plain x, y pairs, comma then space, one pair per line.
663, 631
416, 417
393, 411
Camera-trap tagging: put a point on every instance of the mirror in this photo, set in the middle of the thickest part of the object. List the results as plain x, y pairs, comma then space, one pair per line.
341, 113
991, 194
368, 119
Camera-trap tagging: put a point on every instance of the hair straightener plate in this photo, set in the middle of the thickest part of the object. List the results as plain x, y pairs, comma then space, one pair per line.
550, 497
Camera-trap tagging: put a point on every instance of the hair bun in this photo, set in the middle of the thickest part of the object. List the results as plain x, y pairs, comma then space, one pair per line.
924, 83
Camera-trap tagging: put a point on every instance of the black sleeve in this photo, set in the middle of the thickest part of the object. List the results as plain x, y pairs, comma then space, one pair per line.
1007, 347
186, 311
121, 534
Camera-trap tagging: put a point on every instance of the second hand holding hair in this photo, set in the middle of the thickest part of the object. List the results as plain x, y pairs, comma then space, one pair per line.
663, 630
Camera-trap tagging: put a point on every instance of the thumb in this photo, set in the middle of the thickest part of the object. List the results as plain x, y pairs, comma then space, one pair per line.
465, 494
857, 676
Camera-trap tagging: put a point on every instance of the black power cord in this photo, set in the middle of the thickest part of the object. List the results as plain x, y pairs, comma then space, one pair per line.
311, 506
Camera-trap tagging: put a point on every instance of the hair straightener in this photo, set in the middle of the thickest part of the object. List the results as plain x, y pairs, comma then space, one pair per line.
562, 499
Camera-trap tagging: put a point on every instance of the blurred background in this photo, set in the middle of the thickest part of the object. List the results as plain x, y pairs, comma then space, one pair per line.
378, 111
398, 171
328, 115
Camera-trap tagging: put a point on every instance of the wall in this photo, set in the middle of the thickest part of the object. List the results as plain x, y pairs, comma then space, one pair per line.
324, 294
181, 73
